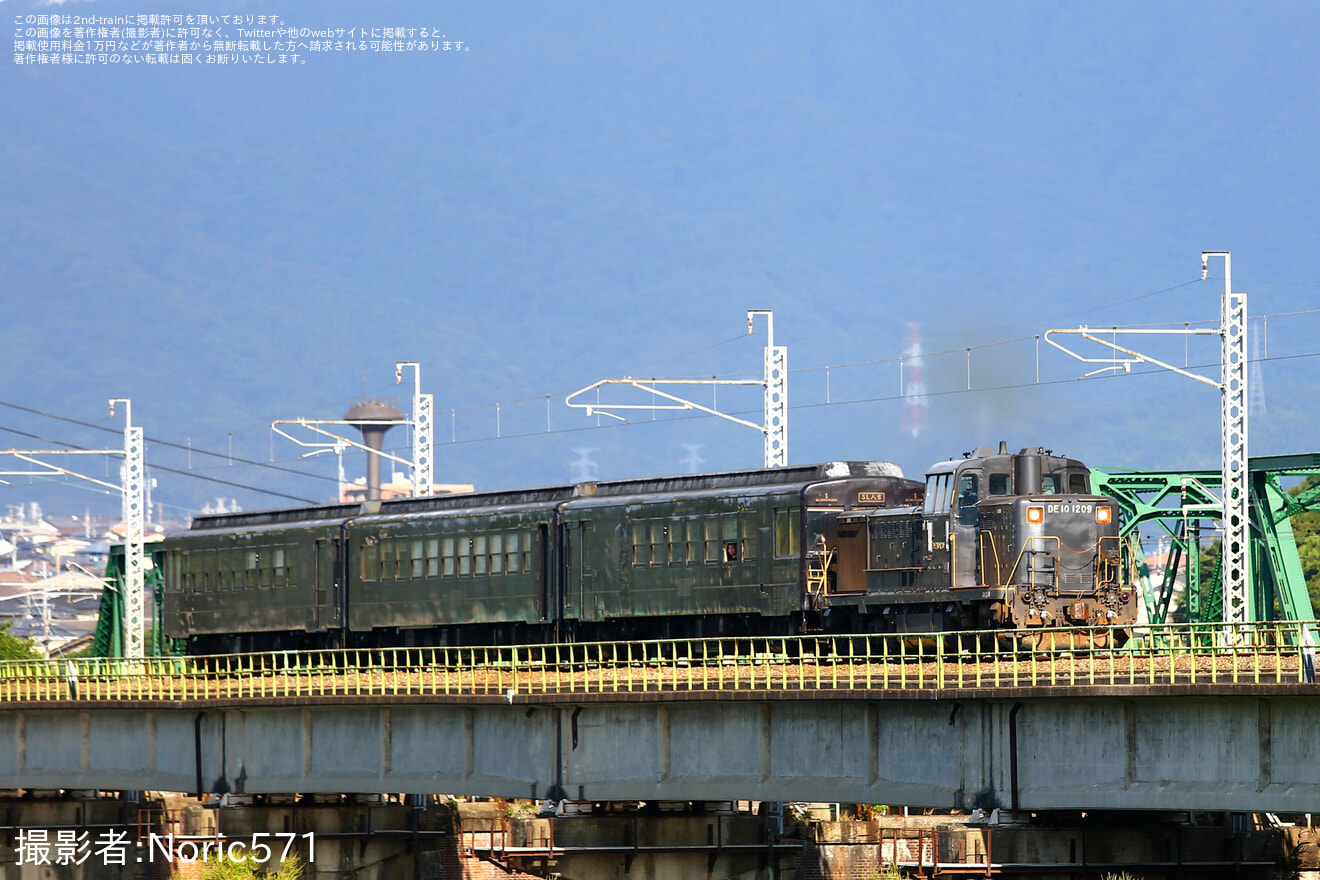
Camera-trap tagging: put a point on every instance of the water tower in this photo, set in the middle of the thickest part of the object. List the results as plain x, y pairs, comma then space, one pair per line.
373, 418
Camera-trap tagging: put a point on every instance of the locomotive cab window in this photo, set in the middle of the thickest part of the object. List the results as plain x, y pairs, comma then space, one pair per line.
1077, 485
968, 496
1049, 484
937, 494
999, 484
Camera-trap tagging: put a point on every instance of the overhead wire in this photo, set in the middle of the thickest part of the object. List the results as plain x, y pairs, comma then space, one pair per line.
180, 446
231, 459
168, 470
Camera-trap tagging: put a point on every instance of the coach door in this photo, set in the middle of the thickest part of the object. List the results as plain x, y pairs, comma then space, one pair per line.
323, 585
577, 570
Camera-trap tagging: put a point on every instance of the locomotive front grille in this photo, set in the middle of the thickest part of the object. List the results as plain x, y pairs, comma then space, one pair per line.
1080, 579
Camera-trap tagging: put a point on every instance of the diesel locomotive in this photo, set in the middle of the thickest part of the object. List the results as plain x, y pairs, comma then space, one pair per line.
989, 541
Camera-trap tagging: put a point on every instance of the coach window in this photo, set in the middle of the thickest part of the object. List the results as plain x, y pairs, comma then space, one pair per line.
788, 526
497, 553
432, 557
527, 551
641, 545
711, 526
729, 536
388, 568
751, 534
447, 557
251, 560
511, 559
369, 562
677, 542
659, 542
693, 541
465, 557
264, 570
417, 558
479, 554
281, 573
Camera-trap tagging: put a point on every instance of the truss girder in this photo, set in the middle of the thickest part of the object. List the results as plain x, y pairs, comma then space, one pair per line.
1179, 500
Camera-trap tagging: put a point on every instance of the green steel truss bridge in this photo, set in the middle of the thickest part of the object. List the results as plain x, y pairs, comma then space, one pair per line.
1182, 507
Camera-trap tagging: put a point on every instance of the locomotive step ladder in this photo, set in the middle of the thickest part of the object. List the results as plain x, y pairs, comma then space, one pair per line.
819, 561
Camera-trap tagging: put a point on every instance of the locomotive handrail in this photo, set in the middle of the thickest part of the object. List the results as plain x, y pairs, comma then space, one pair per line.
1264, 653
999, 571
1026, 548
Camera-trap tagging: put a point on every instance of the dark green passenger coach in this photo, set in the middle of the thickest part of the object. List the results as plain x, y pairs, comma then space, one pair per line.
669, 556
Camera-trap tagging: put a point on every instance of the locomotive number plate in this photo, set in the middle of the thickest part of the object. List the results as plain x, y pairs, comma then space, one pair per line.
1070, 508
870, 497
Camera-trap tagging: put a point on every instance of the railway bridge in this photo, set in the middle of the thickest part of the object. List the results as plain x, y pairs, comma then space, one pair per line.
1183, 717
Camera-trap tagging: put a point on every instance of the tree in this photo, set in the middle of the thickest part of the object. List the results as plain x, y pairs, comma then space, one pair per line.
1306, 528
291, 869
14, 648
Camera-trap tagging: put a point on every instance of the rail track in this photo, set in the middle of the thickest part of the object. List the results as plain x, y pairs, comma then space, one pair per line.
1186, 654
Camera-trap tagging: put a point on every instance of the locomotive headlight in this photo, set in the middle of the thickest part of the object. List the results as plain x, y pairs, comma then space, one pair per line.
1104, 515
1036, 515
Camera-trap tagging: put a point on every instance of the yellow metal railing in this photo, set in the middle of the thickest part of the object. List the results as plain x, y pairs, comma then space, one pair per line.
1178, 654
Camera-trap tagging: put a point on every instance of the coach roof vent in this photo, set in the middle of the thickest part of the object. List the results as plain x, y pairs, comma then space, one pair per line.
373, 418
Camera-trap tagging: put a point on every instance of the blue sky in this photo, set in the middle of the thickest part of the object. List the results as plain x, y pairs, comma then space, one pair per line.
593, 191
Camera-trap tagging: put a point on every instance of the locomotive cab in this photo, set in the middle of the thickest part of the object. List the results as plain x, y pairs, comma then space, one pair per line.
999, 540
